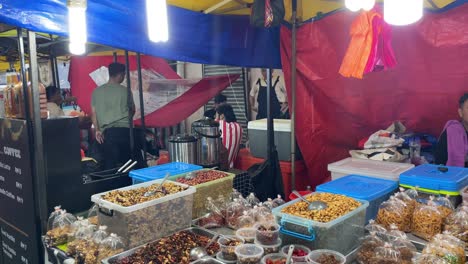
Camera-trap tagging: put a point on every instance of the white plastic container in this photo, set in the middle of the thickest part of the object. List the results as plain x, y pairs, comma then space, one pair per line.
148, 221
314, 255
258, 139
377, 169
249, 253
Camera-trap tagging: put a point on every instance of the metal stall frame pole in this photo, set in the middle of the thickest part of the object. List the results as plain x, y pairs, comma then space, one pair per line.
52, 65
114, 54
292, 109
56, 72
142, 105
245, 76
35, 132
130, 97
270, 133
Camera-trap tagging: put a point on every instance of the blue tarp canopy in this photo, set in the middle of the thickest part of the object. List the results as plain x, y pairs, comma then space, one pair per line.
194, 36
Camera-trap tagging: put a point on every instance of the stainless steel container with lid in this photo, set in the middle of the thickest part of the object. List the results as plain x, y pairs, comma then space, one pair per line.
183, 148
209, 142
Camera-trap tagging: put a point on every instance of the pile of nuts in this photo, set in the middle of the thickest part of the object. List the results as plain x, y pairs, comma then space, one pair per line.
228, 248
338, 205
327, 259
202, 177
137, 196
267, 233
58, 236
172, 249
88, 252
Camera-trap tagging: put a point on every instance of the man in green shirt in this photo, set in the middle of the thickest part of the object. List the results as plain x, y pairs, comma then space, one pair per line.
111, 109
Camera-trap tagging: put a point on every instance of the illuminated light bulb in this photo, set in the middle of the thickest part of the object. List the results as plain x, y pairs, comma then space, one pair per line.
367, 4
403, 12
156, 17
77, 26
353, 5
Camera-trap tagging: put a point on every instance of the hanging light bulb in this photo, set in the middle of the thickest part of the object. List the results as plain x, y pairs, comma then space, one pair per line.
403, 12
77, 26
367, 4
353, 5
156, 16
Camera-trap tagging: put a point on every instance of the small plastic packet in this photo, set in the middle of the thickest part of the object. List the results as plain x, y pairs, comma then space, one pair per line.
245, 220
427, 220
262, 214
252, 199
100, 234
215, 217
369, 244
61, 229
55, 213
221, 202
410, 204
386, 254
412, 193
394, 233
279, 201
456, 225
234, 195
93, 215
234, 210
429, 259
393, 211
372, 226
269, 203
449, 247
63, 219
109, 247
406, 248
445, 206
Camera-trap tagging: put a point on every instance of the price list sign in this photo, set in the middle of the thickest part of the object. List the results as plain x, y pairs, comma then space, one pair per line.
18, 229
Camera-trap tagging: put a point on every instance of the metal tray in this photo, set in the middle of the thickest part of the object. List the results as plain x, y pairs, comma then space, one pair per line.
114, 259
208, 261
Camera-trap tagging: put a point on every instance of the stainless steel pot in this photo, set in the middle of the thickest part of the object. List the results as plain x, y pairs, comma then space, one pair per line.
183, 148
209, 142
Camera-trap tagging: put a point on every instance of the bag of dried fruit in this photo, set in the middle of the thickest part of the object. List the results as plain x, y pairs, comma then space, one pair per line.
447, 247
234, 210
393, 211
61, 229
386, 254
429, 259
369, 244
406, 248
456, 225
427, 220
215, 216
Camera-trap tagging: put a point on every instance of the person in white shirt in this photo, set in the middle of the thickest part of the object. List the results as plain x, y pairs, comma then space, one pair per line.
54, 100
279, 104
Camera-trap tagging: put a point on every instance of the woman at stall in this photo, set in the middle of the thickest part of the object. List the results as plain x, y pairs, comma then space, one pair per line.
452, 147
231, 131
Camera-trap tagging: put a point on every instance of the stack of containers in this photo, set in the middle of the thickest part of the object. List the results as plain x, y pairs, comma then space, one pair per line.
373, 190
145, 222
437, 180
340, 234
159, 171
212, 189
376, 169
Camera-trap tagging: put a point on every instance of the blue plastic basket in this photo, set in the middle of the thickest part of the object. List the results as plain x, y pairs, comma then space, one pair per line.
159, 171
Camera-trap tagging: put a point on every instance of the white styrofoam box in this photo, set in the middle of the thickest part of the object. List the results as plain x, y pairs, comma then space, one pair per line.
280, 125
377, 169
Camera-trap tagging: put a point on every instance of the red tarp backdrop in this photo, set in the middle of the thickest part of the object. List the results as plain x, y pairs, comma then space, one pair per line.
170, 114
422, 91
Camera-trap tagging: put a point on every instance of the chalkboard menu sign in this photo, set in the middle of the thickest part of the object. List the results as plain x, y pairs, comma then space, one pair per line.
18, 228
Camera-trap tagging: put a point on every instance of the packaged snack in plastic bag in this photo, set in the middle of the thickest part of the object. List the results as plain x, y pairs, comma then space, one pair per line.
456, 225
93, 215
386, 254
109, 247
55, 213
394, 233
215, 217
100, 234
63, 219
234, 195
406, 248
412, 193
429, 259
234, 210
374, 227
245, 220
221, 202
279, 201
393, 211
451, 248
269, 203
252, 199
369, 244
61, 229
427, 221
410, 205
445, 206
263, 214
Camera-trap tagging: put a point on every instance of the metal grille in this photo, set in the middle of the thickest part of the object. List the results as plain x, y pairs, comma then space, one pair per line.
242, 182
234, 93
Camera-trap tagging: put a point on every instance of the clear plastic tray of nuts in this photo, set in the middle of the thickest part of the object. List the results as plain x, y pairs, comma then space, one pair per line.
147, 221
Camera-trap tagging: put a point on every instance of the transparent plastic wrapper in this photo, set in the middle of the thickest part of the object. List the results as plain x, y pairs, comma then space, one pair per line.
429, 259
386, 254
410, 205
427, 221
55, 213
235, 195
93, 215
252, 199
445, 206
263, 214
61, 229
100, 234
110, 246
406, 248
215, 217
234, 210
412, 193
269, 204
456, 225
393, 211
449, 247
221, 202
245, 221
394, 233
279, 201
369, 244
374, 227
85, 232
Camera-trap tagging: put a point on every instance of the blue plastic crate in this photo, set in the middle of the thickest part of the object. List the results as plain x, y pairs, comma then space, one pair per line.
373, 190
159, 171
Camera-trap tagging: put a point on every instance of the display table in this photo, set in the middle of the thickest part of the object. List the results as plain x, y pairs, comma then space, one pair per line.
245, 160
